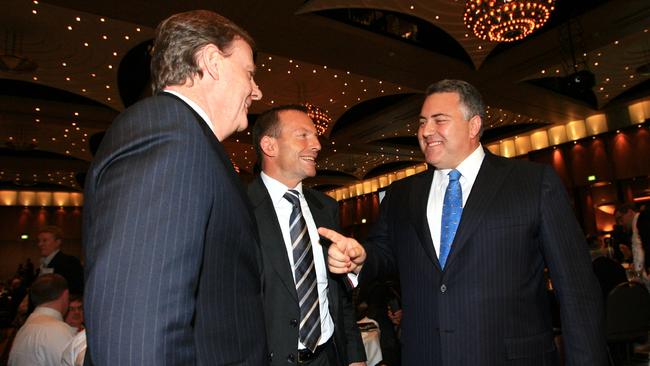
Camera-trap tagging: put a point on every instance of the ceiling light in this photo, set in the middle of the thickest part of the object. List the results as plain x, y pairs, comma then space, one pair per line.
506, 20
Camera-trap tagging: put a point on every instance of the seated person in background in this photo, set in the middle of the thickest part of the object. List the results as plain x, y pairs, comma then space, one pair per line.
53, 260
383, 306
622, 234
75, 316
643, 228
608, 271
44, 336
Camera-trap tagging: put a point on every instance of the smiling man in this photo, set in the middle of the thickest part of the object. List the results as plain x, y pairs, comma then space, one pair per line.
173, 262
309, 316
471, 238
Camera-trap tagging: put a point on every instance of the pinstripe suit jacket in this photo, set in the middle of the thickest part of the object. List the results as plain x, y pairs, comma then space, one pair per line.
489, 305
173, 265
280, 299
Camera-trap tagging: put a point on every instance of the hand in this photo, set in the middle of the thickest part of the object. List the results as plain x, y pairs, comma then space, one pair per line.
358, 364
395, 317
345, 255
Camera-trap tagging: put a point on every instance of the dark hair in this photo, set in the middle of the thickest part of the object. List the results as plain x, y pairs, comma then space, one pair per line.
54, 230
267, 124
76, 297
470, 99
181, 36
46, 288
623, 208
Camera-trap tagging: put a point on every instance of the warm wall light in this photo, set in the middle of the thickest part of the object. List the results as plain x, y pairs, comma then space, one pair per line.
8, 198
539, 140
637, 112
44, 198
76, 199
523, 145
494, 148
557, 135
607, 208
596, 124
508, 148
576, 130
40, 198
61, 199
26, 198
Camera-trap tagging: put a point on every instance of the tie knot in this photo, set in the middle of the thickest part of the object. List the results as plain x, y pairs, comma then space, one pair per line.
454, 175
293, 196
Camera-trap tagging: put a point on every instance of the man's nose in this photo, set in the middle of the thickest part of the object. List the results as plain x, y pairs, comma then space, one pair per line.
257, 92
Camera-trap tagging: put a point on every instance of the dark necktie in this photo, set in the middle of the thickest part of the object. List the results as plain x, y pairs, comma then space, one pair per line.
452, 209
305, 274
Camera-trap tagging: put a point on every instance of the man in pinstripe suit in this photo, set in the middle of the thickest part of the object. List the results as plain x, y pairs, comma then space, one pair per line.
484, 302
173, 263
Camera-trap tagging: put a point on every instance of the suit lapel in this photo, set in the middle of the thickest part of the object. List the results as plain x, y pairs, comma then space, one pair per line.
418, 198
488, 182
269, 228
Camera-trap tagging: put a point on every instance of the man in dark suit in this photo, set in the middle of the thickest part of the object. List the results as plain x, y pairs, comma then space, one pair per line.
309, 315
173, 263
471, 237
53, 260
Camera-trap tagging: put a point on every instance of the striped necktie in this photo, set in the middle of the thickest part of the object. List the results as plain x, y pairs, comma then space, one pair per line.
452, 209
304, 274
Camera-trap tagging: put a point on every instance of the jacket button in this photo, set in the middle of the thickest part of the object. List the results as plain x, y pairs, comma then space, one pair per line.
294, 322
291, 358
270, 356
443, 288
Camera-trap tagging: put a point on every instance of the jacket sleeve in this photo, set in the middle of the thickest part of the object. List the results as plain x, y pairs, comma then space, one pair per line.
566, 255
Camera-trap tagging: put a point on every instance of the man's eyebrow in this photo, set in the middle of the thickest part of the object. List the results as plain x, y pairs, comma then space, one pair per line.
436, 115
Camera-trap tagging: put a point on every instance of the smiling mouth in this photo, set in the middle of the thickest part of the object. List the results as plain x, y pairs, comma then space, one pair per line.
434, 143
311, 159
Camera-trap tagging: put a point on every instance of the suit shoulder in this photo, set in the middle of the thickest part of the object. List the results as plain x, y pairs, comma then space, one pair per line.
321, 197
408, 182
520, 166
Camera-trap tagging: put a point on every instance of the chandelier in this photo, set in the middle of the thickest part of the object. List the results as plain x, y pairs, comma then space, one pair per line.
321, 119
506, 20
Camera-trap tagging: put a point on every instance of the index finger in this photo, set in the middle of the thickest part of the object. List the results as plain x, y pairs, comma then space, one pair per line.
331, 234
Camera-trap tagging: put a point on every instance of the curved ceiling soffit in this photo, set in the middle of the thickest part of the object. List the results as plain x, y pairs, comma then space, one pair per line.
75, 51
48, 119
334, 91
614, 67
446, 15
368, 108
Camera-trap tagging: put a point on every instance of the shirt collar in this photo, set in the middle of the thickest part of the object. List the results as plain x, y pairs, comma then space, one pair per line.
469, 167
277, 189
194, 106
44, 310
46, 260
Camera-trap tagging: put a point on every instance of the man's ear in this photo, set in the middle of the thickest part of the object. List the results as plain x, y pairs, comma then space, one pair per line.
475, 126
269, 146
209, 60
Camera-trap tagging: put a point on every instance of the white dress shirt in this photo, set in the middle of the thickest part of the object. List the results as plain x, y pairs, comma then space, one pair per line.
468, 169
45, 262
41, 340
283, 210
75, 351
195, 107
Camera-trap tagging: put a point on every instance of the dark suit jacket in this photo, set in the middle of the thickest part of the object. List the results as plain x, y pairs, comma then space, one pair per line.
489, 306
173, 264
70, 268
281, 308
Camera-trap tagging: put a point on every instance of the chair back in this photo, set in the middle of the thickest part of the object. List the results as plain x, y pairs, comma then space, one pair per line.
628, 312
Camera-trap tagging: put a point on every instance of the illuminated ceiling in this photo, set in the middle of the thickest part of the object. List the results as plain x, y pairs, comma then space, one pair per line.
367, 80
